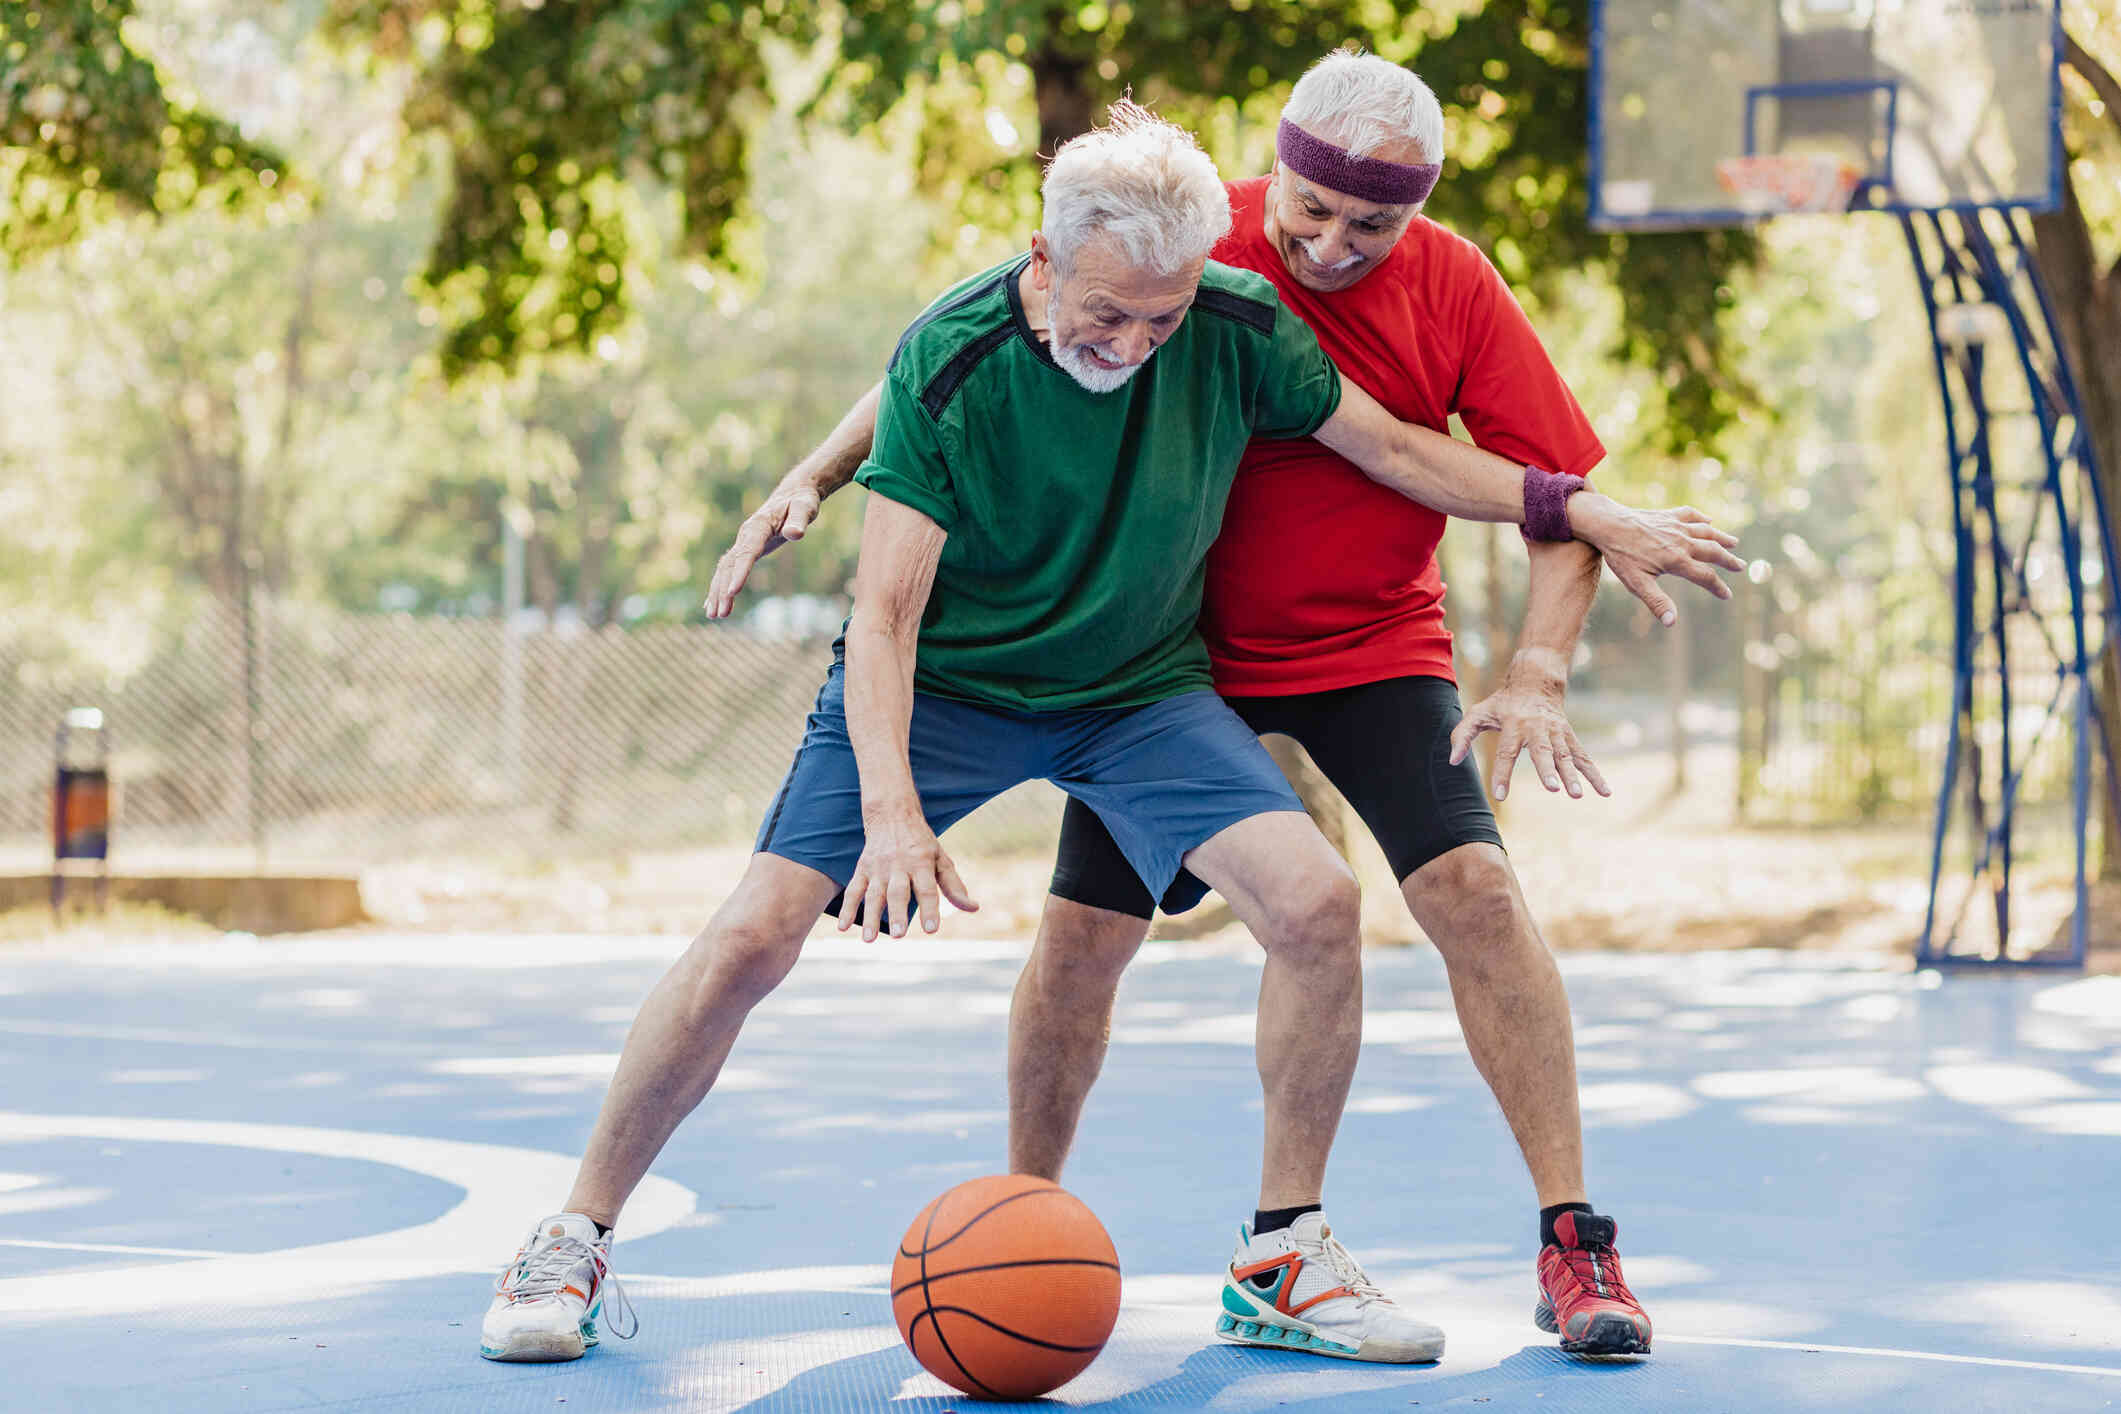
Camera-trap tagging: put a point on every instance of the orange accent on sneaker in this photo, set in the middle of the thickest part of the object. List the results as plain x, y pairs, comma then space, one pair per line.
572, 1290
1294, 1261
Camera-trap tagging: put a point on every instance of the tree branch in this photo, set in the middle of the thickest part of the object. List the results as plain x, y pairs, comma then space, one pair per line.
2094, 73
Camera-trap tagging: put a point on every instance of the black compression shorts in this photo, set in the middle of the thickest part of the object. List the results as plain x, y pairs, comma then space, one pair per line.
1386, 745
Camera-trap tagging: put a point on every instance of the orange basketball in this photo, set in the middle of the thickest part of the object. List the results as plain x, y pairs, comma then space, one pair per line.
1006, 1287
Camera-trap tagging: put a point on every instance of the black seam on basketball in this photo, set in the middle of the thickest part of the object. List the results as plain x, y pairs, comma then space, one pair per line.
967, 1226
915, 1324
1013, 1335
998, 1266
928, 1305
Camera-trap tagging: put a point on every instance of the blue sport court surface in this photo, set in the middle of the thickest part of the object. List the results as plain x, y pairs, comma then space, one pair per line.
274, 1176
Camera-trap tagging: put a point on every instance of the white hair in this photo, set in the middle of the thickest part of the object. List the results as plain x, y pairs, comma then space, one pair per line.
1138, 181
1361, 102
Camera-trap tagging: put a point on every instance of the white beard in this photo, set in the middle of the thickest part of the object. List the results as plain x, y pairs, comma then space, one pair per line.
1077, 363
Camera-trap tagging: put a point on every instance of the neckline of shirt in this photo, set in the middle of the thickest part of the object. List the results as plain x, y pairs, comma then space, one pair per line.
1012, 288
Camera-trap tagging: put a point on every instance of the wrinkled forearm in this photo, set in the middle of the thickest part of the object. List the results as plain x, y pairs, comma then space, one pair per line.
880, 716
833, 464
1428, 467
892, 581
1564, 581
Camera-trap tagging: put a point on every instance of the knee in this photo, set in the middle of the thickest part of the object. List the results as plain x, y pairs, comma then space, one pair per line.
1473, 900
1318, 915
1077, 942
745, 958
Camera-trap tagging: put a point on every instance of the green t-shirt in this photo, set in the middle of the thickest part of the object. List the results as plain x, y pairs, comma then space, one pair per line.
1079, 522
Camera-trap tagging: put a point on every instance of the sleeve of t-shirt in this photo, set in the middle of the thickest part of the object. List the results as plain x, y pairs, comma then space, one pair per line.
906, 460
1510, 395
1298, 388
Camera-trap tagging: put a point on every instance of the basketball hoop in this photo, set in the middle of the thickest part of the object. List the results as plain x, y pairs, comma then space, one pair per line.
1773, 183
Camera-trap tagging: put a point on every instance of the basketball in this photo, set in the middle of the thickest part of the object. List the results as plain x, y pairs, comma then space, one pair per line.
1005, 1287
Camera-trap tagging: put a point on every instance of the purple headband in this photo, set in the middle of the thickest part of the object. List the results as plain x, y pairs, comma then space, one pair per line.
1365, 178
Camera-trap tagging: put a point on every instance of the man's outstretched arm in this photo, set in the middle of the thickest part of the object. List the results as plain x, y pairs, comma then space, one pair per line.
903, 867
794, 503
1461, 480
1526, 711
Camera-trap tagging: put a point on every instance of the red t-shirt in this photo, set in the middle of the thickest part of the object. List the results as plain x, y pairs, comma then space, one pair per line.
1322, 578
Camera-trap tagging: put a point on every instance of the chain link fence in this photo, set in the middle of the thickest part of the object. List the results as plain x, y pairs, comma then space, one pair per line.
313, 737
1847, 711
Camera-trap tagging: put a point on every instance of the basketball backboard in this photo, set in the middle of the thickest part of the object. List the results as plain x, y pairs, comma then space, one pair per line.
1915, 105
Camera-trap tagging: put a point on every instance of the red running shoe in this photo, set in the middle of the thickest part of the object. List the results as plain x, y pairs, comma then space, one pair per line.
1582, 1296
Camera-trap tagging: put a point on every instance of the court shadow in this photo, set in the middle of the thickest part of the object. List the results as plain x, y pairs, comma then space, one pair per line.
1206, 1378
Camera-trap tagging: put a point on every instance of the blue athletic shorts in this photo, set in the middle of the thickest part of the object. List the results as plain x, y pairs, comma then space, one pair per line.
1164, 778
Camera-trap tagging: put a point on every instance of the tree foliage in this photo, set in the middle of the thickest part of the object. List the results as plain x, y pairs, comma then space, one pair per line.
89, 128
556, 118
548, 111
1512, 78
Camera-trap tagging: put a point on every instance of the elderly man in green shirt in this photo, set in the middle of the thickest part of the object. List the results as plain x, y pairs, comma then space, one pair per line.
1054, 444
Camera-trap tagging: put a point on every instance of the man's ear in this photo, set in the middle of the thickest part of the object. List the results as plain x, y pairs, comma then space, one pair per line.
1041, 263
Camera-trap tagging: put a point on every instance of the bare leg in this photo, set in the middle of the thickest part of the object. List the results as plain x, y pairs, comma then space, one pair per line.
1511, 1006
1297, 896
689, 1022
1059, 1023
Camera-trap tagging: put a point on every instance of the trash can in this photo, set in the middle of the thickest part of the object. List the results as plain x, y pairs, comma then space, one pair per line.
81, 802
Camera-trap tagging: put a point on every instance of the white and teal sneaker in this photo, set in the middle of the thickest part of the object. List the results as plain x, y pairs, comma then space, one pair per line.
547, 1301
1299, 1289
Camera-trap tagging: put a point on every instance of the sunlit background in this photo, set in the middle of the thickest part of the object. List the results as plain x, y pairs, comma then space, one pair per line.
382, 378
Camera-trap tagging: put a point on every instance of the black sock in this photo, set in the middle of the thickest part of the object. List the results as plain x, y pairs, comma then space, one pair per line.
1275, 1219
602, 1229
1546, 1221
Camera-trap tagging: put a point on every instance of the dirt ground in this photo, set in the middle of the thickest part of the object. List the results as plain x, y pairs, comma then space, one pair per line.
1649, 870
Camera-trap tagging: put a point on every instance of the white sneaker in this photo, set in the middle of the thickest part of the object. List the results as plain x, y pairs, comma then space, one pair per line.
547, 1302
1299, 1289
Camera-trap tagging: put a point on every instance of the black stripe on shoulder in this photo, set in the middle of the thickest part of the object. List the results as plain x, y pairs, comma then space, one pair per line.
944, 385
1259, 314
980, 291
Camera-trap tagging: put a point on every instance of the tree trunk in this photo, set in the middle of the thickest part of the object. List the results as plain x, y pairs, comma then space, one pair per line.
1066, 107
544, 575
2087, 303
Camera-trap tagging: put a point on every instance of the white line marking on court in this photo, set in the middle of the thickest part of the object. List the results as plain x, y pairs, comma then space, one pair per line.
505, 1191
1809, 1348
159, 1036
113, 1247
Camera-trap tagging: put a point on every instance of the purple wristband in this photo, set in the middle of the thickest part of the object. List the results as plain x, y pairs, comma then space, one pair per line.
1546, 504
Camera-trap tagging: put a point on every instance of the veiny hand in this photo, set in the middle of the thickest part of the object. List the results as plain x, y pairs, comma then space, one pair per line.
903, 866
1640, 545
1529, 719
784, 517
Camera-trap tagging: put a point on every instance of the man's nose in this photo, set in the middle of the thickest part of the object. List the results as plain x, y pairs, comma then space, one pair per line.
1133, 343
1331, 245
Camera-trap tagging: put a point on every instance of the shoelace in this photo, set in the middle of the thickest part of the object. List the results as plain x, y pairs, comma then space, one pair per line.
1597, 1270
1343, 1265
542, 1271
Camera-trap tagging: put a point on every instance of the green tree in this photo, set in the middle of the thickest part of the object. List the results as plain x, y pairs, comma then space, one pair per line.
1513, 79
550, 113
91, 128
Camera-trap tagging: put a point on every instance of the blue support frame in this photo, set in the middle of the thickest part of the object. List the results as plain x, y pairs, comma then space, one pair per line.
1978, 258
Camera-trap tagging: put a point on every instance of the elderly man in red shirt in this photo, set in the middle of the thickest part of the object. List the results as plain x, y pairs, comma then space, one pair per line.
1324, 620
